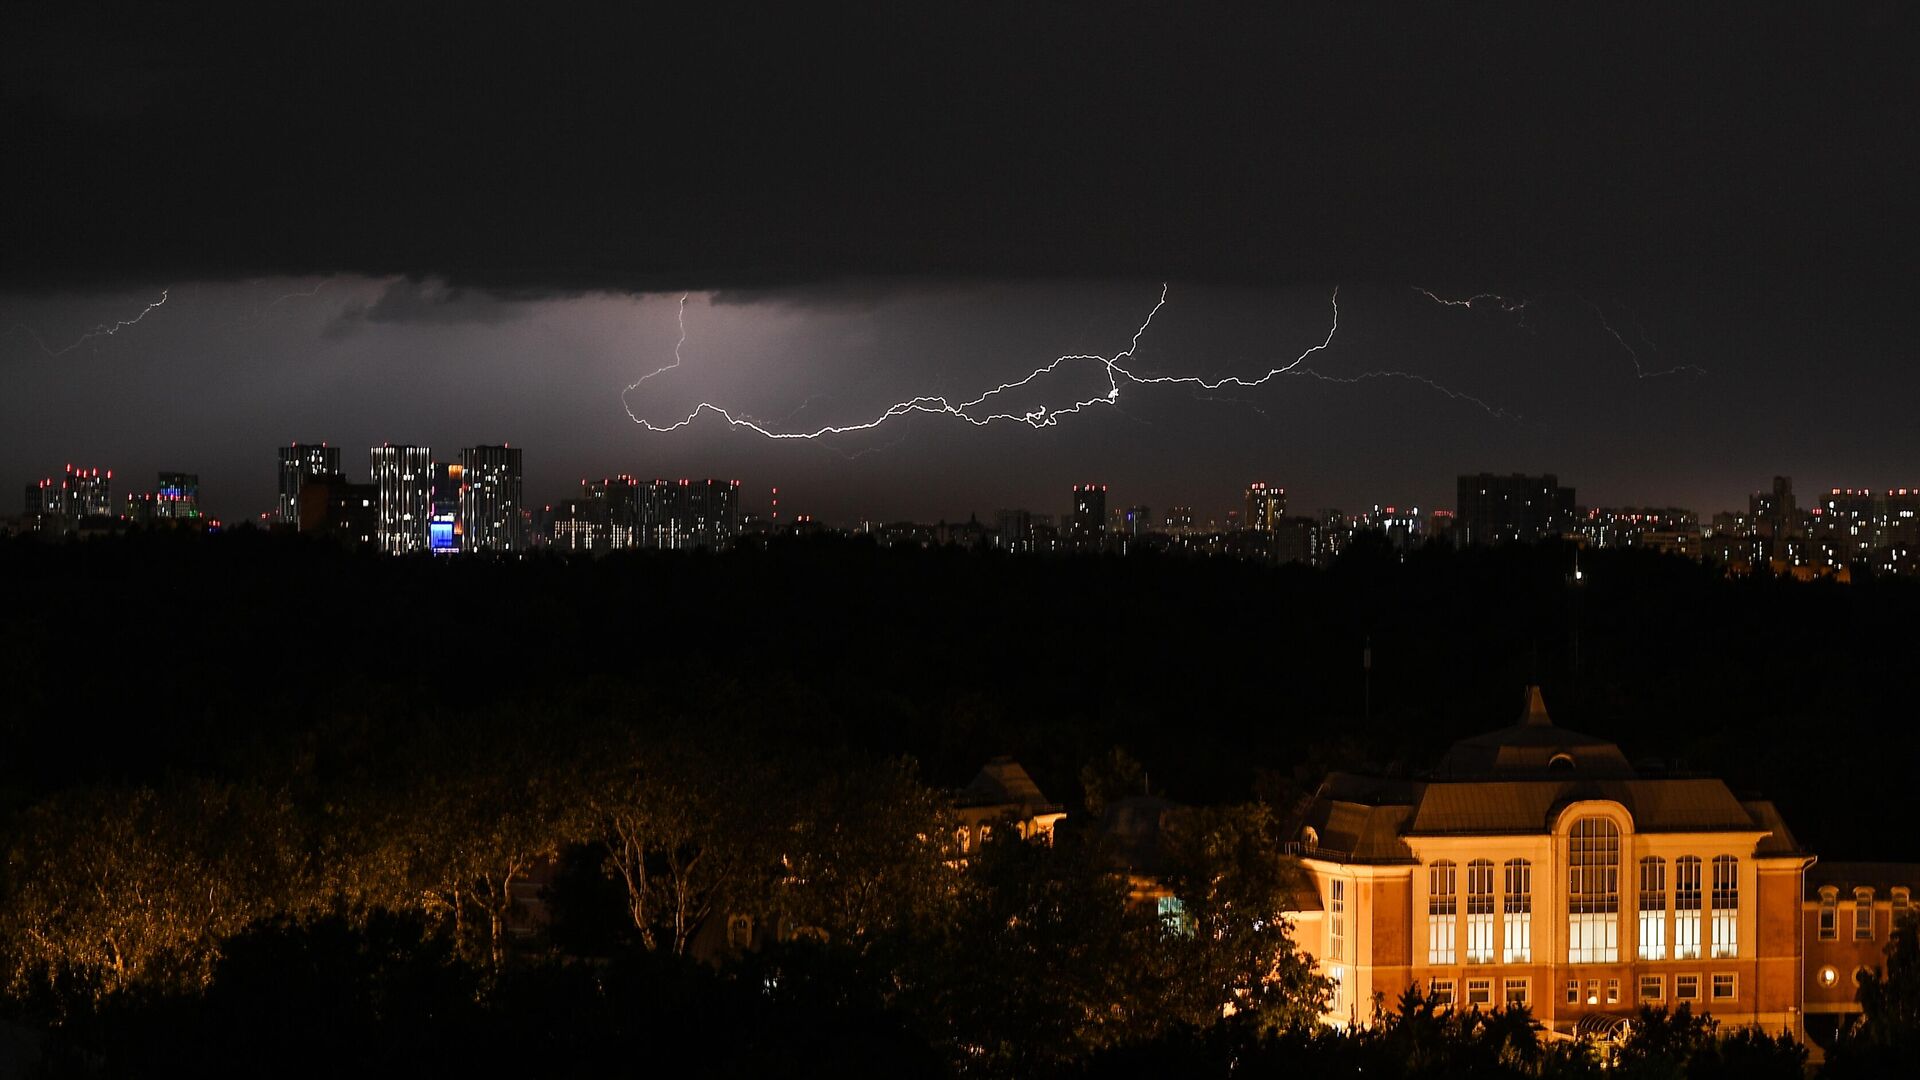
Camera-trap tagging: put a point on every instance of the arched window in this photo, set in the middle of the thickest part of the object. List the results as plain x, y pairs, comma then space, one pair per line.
1518, 916
1593, 892
1726, 907
1829, 913
1653, 908
1442, 907
1480, 912
1863, 914
1686, 907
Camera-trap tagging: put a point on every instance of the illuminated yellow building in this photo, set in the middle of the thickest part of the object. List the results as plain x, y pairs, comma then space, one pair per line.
1003, 794
1537, 866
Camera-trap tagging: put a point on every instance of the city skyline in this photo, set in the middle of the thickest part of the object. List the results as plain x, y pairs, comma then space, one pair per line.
1643, 259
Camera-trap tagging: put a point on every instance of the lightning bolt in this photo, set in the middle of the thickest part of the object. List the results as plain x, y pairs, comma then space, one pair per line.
1506, 305
259, 313
1117, 370
102, 330
681, 315
1510, 306
1639, 372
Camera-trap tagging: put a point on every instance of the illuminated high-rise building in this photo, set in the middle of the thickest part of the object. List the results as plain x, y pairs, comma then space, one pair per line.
299, 461
404, 477
707, 513
176, 497
490, 500
621, 500
1088, 528
1265, 507
1497, 509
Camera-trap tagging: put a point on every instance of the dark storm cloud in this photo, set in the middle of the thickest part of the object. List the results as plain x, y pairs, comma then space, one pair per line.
510, 148
428, 300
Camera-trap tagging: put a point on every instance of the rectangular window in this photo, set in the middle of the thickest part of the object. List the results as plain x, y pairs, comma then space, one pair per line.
1653, 908
1613, 991
1829, 919
1726, 907
1686, 988
1573, 991
1518, 916
1726, 987
1687, 900
1863, 915
1653, 988
1442, 990
1516, 992
1901, 899
1479, 991
1480, 912
1442, 909
1337, 920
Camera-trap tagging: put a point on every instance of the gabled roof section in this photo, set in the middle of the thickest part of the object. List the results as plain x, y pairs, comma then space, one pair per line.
1003, 782
1534, 748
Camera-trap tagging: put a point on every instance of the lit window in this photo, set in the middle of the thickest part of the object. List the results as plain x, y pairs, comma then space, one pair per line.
1726, 907
1686, 908
1337, 920
1653, 988
1653, 908
1518, 922
1480, 912
1573, 991
1442, 906
1829, 913
1863, 914
1726, 987
1479, 992
1613, 991
1442, 991
1516, 992
1686, 988
1593, 892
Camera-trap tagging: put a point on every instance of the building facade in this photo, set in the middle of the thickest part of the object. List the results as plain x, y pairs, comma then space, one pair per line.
404, 477
1848, 911
491, 509
1536, 866
177, 497
298, 462
1265, 507
1087, 530
1493, 509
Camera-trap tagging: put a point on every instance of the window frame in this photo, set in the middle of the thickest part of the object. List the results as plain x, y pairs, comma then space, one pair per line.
1659, 984
1684, 980
1507, 987
1728, 979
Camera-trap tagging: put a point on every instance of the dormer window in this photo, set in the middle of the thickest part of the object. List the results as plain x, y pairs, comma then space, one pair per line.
1310, 838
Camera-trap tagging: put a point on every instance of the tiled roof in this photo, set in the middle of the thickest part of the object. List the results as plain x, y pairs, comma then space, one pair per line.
1003, 782
1881, 877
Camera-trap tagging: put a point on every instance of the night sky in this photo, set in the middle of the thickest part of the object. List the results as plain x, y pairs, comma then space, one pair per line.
461, 223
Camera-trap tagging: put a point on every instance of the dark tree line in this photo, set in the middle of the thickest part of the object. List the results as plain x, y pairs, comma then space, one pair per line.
255, 790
